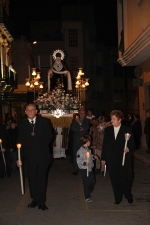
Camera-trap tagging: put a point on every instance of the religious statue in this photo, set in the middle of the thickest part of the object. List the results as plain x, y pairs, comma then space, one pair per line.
58, 71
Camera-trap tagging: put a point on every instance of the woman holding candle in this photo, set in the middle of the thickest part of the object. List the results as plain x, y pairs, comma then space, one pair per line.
112, 154
85, 164
34, 136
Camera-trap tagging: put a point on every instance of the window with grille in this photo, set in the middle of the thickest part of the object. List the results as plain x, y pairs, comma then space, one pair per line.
74, 63
73, 38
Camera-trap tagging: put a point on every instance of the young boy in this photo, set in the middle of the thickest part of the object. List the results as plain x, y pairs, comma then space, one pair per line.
84, 164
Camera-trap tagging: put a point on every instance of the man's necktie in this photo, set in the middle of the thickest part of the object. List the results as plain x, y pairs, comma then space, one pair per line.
32, 123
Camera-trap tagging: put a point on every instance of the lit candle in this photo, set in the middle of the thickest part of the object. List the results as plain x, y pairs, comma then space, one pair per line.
3, 154
105, 171
20, 169
127, 136
87, 156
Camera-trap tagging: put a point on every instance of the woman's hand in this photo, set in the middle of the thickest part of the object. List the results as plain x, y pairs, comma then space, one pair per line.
19, 163
126, 150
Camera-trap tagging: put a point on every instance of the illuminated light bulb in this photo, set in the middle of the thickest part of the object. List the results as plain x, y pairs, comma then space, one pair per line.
33, 71
86, 83
38, 75
31, 86
78, 77
36, 83
27, 84
77, 82
41, 86
80, 73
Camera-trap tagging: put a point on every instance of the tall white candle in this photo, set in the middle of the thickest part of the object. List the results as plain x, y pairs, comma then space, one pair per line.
105, 171
3, 154
20, 169
87, 156
127, 136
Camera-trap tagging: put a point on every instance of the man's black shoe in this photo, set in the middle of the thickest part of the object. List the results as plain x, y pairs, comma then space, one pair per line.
33, 204
117, 202
43, 207
130, 200
74, 173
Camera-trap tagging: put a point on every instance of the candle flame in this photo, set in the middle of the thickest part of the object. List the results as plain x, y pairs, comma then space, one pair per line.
18, 145
0, 141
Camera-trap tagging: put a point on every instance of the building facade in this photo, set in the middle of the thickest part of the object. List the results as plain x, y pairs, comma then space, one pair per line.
76, 36
134, 46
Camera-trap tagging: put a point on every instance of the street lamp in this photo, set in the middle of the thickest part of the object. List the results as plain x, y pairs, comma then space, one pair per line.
33, 83
81, 84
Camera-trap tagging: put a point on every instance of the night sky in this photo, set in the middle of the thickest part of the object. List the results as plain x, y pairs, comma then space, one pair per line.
24, 11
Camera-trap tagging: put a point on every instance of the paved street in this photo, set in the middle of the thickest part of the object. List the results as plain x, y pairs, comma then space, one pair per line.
66, 202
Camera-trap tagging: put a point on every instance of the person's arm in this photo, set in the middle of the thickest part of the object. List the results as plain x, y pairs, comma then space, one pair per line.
48, 130
104, 147
75, 126
81, 159
94, 139
130, 144
86, 125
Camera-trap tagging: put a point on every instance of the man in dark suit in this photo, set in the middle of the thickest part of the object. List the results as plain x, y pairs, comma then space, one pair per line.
79, 127
112, 154
35, 135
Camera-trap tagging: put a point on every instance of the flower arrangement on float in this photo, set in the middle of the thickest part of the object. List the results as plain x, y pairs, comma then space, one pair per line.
57, 99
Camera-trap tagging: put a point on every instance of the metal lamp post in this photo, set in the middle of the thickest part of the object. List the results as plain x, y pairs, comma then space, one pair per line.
81, 84
34, 82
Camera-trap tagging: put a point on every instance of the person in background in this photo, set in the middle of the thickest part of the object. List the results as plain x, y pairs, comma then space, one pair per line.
129, 120
113, 150
147, 130
70, 139
38, 113
90, 114
3, 149
94, 123
79, 127
97, 142
136, 127
35, 135
7, 123
13, 135
88, 181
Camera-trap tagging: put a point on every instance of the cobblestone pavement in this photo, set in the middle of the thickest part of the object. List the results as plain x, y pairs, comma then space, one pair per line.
66, 202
